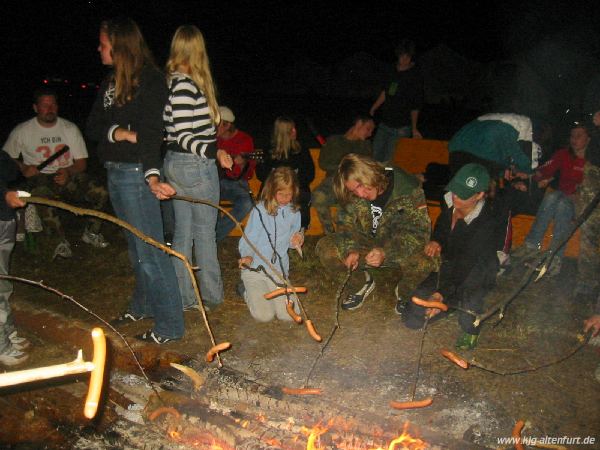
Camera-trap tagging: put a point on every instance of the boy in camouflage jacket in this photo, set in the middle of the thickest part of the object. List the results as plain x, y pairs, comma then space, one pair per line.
385, 225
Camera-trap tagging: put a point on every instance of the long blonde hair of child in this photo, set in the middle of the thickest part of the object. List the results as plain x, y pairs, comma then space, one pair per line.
282, 141
280, 179
188, 54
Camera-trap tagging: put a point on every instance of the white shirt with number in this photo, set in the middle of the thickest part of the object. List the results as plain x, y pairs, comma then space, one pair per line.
37, 143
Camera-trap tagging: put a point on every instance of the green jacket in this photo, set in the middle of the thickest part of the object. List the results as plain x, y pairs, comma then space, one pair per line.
336, 148
404, 226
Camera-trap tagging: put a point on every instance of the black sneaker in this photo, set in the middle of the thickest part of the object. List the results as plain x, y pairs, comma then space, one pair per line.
149, 336
355, 301
125, 318
400, 302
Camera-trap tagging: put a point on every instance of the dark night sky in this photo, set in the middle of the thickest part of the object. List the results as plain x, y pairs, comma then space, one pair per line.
60, 38
62, 35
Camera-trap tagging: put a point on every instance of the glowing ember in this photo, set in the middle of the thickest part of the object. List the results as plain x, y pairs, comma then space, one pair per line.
403, 442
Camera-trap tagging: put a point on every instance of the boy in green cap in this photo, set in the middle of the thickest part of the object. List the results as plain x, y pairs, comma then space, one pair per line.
468, 233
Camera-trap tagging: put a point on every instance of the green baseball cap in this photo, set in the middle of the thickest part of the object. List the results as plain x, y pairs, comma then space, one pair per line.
469, 180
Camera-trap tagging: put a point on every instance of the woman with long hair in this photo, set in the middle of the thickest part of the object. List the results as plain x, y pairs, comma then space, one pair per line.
126, 122
191, 115
287, 151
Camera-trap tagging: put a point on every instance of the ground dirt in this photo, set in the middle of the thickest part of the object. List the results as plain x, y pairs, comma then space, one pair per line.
370, 359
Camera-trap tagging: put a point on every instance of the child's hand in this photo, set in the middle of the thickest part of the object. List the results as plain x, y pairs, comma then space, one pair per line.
297, 240
245, 261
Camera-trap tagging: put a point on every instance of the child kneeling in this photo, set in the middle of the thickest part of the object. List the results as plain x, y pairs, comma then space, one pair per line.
273, 227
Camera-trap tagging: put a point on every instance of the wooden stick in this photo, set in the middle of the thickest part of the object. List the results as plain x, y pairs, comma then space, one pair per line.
102, 215
44, 373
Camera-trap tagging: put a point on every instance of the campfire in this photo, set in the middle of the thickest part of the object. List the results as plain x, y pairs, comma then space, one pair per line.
231, 412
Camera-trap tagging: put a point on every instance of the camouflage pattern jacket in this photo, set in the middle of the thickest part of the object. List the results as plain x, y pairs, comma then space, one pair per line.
404, 227
588, 189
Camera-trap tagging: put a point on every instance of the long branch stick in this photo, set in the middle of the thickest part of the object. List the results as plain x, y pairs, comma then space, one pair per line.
268, 263
92, 313
336, 325
102, 215
557, 360
541, 264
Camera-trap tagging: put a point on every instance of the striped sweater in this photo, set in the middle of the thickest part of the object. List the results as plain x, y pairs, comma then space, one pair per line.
187, 118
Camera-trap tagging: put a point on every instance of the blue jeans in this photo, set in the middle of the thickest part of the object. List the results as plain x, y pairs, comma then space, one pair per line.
236, 191
156, 292
385, 140
555, 206
7, 242
195, 223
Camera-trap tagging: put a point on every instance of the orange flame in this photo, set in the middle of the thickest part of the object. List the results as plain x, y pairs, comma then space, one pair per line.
403, 442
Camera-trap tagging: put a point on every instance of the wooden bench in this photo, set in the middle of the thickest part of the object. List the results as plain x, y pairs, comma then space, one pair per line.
413, 155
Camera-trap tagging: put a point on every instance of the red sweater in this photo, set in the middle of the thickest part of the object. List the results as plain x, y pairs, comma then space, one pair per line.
239, 143
571, 170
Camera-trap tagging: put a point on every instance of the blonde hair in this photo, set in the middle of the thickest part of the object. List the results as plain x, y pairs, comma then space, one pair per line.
189, 49
362, 169
129, 53
278, 180
282, 142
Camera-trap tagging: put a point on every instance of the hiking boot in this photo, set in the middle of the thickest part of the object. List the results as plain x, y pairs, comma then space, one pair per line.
400, 302
467, 341
125, 318
13, 357
63, 249
150, 336
525, 251
94, 239
18, 342
355, 301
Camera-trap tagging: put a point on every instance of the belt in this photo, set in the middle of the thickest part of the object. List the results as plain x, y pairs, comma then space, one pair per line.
175, 147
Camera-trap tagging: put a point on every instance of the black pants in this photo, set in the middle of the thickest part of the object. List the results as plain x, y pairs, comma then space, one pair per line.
470, 294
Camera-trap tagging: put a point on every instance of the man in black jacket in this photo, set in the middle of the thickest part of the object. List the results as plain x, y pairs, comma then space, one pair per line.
11, 344
468, 233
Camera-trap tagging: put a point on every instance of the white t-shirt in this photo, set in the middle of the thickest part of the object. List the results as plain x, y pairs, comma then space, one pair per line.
37, 143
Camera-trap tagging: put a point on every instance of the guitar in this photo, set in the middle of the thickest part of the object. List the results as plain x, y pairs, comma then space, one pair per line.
257, 155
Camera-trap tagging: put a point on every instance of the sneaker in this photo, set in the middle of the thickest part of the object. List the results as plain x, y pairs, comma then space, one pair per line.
18, 342
94, 239
400, 302
467, 341
149, 336
63, 249
125, 318
20, 236
13, 357
33, 222
355, 301
525, 251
